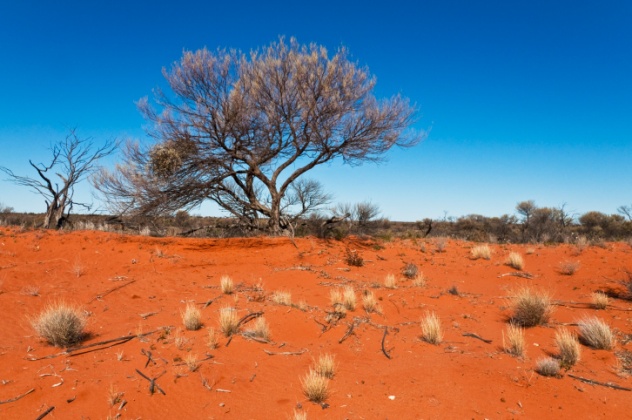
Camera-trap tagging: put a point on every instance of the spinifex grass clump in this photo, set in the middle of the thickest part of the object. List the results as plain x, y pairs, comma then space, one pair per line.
481, 251
228, 322
568, 346
514, 260
515, 342
60, 324
596, 333
531, 308
315, 386
431, 330
191, 317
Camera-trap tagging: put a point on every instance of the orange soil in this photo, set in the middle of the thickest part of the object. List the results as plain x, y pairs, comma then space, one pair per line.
463, 377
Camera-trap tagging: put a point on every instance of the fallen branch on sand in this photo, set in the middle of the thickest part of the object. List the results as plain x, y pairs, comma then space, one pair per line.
468, 334
152, 382
10, 400
102, 295
388, 356
45, 413
606, 384
285, 353
348, 333
518, 274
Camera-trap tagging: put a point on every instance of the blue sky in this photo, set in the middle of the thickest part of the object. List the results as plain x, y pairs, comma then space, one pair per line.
523, 99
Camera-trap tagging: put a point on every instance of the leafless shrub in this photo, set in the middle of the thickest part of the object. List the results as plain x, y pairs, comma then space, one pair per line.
481, 251
354, 258
410, 271
596, 333
441, 244
548, 367
514, 260
191, 317
531, 308
431, 330
568, 346
515, 344
60, 324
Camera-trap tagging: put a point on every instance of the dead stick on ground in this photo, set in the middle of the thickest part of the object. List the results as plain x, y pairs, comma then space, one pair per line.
348, 333
102, 295
45, 413
248, 318
10, 400
606, 384
518, 274
388, 356
152, 382
285, 353
467, 334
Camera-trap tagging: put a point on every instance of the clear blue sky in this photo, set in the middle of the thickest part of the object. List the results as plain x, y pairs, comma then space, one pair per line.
523, 99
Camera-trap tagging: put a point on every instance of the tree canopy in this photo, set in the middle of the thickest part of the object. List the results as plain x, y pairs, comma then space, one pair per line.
242, 130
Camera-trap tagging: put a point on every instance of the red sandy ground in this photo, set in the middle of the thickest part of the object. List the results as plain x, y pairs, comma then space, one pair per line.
116, 278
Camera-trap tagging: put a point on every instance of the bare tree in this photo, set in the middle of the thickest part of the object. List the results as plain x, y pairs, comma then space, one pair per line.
73, 160
241, 130
625, 211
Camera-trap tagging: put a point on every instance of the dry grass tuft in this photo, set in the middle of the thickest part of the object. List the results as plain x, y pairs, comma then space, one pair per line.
190, 360
568, 268
299, 415
514, 260
369, 302
419, 280
568, 346
261, 329
548, 367
410, 271
226, 285
431, 331
335, 297
114, 396
212, 340
515, 344
228, 321
325, 366
596, 333
481, 251
282, 298
441, 244
315, 386
60, 324
599, 300
390, 282
531, 308
349, 298
191, 317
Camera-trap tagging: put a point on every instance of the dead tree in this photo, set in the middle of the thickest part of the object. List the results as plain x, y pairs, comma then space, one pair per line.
73, 160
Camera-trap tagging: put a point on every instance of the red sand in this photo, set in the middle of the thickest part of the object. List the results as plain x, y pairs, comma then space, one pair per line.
463, 377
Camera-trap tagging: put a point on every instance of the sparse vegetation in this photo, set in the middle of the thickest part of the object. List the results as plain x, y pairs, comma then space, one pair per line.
354, 259
226, 285
599, 300
531, 308
431, 331
60, 324
568, 268
369, 302
390, 282
114, 396
441, 244
190, 360
481, 251
191, 317
548, 367
596, 333
419, 280
349, 298
410, 271
282, 298
325, 365
315, 386
261, 329
335, 297
228, 322
515, 260
211, 340
515, 344
569, 348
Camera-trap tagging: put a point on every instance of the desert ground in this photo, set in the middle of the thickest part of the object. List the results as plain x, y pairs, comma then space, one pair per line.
138, 361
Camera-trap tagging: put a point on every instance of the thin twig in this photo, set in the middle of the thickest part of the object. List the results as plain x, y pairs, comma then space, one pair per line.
285, 353
348, 333
468, 334
102, 295
10, 400
518, 274
152, 382
388, 356
45, 413
593, 382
